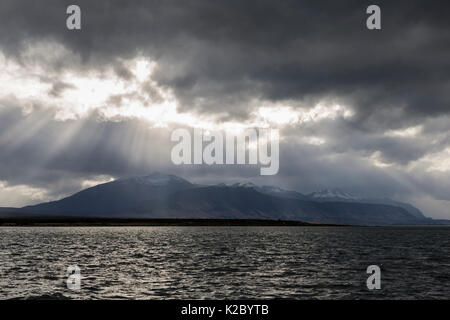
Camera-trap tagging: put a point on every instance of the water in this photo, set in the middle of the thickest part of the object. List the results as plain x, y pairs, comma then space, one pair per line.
224, 262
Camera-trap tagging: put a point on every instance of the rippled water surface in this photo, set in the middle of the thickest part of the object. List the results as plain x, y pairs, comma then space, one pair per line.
224, 262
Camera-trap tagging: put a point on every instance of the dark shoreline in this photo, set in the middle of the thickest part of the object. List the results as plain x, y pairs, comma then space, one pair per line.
109, 222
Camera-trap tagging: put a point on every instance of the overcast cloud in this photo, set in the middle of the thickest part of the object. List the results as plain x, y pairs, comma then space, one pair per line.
365, 111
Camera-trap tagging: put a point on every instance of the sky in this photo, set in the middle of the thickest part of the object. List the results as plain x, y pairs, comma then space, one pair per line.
366, 111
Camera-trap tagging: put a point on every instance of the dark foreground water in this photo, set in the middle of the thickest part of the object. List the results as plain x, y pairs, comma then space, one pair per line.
224, 262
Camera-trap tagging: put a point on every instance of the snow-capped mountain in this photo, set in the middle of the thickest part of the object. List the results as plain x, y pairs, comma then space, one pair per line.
244, 184
337, 195
326, 195
167, 196
123, 195
269, 190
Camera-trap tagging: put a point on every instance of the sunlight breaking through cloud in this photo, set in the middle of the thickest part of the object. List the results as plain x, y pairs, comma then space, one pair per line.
20, 195
76, 95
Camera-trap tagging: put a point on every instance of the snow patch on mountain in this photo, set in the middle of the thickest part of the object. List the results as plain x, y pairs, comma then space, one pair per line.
333, 194
244, 184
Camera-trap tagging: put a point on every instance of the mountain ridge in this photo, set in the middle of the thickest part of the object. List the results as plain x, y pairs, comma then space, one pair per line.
168, 196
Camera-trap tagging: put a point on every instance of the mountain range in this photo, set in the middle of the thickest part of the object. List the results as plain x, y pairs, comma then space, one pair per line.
161, 195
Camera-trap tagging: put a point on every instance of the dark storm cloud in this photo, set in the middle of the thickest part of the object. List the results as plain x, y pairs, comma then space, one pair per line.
343, 136
225, 57
226, 53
